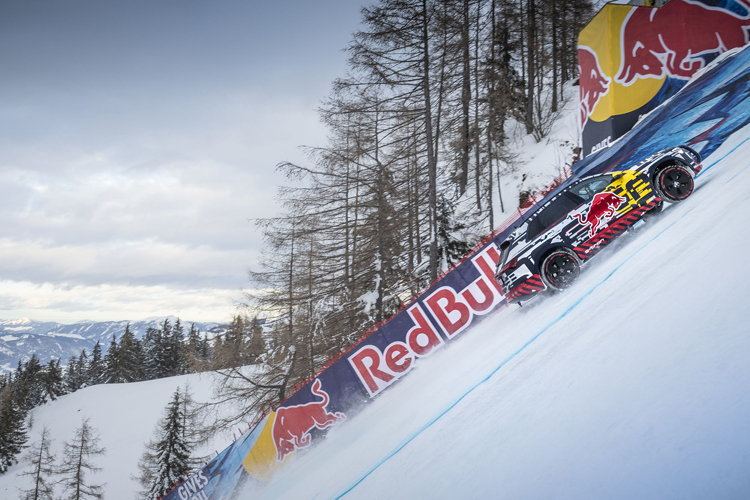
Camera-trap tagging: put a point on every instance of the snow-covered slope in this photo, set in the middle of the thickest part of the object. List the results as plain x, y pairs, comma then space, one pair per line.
632, 384
125, 416
20, 338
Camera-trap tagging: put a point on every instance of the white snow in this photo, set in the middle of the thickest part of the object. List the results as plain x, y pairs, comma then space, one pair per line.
125, 416
632, 384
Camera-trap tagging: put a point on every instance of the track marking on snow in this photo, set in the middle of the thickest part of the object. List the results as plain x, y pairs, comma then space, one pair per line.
552, 323
706, 169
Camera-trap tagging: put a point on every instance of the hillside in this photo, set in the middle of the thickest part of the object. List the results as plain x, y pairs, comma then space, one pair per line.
125, 416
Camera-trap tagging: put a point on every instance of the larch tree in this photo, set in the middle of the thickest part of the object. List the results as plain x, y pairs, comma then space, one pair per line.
78, 463
40, 469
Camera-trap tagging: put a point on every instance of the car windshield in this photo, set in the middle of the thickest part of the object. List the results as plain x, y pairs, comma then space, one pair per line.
551, 214
587, 189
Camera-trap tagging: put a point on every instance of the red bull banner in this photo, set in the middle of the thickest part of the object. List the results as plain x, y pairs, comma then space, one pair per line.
632, 59
459, 299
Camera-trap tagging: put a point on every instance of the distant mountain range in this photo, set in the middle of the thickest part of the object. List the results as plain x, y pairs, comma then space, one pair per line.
20, 338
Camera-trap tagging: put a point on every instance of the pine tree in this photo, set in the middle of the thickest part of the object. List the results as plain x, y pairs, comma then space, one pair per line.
256, 347
52, 381
111, 374
128, 362
72, 375
96, 366
82, 369
151, 353
41, 466
176, 353
166, 461
77, 463
29, 391
13, 435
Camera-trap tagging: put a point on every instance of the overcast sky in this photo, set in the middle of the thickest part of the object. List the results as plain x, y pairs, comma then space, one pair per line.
138, 138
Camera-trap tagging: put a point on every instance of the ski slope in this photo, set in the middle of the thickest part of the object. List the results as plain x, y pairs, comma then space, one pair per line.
632, 384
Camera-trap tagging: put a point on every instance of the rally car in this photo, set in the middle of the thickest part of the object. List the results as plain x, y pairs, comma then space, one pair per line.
546, 251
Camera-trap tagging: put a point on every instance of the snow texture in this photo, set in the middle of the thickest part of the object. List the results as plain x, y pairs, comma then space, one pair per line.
632, 384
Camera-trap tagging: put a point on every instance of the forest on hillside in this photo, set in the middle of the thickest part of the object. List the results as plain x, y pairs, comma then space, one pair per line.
409, 179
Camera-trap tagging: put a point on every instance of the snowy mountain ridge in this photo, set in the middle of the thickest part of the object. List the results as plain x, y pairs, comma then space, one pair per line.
20, 338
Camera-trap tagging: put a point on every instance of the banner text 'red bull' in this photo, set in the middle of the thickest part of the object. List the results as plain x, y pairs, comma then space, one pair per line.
631, 59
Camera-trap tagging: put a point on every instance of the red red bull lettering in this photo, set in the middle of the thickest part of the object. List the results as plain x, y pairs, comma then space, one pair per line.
671, 40
452, 310
602, 208
292, 424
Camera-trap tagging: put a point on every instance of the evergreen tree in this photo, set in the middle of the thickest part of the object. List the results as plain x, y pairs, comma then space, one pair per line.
111, 374
151, 349
13, 435
41, 467
82, 369
96, 366
77, 464
176, 354
166, 461
52, 381
205, 351
128, 364
28, 385
72, 375
256, 346
193, 340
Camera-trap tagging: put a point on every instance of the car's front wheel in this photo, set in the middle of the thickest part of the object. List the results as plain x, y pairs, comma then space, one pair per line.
673, 183
560, 269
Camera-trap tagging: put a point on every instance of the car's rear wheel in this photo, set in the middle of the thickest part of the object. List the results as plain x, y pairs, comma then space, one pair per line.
560, 269
673, 183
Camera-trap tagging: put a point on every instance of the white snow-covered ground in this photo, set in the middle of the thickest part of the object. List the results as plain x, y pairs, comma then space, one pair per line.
632, 384
125, 416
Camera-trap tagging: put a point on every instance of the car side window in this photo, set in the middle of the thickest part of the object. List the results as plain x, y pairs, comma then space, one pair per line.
549, 215
587, 189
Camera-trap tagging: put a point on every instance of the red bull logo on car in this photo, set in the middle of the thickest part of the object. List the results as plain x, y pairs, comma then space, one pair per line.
631, 59
602, 208
292, 426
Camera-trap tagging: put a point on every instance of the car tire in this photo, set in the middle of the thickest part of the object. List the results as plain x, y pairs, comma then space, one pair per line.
673, 183
560, 268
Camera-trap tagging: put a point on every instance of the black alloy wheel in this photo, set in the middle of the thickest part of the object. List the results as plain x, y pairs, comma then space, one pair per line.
560, 269
674, 183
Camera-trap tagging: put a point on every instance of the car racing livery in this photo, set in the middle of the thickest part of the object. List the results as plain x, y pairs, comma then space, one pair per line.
546, 251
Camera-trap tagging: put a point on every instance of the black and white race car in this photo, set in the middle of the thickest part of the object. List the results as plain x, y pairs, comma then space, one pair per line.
547, 250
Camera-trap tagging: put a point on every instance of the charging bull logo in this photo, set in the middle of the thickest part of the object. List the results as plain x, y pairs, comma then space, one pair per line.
671, 40
602, 208
593, 82
292, 424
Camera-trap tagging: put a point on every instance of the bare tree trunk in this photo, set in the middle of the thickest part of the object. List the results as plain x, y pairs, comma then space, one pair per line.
554, 56
431, 165
477, 157
531, 37
465, 101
